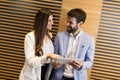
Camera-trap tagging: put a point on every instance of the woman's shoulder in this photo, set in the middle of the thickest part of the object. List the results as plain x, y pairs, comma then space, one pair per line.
30, 34
30, 37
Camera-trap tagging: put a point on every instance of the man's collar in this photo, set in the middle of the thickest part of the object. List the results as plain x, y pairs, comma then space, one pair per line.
78, 35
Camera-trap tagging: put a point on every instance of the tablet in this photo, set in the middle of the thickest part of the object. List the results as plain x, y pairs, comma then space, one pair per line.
66, 60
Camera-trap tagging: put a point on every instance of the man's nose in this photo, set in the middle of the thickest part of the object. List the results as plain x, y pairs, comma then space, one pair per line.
52, 22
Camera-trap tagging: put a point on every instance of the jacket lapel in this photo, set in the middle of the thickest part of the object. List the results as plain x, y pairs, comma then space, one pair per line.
81, 44
65, 43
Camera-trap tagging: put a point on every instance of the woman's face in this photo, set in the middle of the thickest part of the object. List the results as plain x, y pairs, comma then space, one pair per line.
50, 22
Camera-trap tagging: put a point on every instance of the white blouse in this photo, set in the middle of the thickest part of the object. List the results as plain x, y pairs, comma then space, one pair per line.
47, 46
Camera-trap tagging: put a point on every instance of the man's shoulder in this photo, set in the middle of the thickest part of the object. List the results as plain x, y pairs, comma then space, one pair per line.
62, 33
87, 34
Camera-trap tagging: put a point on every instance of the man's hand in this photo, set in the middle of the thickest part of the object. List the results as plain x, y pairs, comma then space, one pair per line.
76, 64
55, 64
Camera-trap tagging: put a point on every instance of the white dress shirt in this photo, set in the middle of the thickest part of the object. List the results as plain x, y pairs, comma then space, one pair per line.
71, 51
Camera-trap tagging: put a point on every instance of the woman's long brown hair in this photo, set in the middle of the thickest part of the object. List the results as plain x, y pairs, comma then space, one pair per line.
40, 29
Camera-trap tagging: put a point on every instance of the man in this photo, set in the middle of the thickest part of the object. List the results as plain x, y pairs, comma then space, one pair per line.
74, 43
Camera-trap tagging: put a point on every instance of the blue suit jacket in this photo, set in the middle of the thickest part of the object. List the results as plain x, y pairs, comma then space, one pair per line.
85, 52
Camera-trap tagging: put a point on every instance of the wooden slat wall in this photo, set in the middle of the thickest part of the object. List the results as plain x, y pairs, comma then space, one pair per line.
107, 54
16, 19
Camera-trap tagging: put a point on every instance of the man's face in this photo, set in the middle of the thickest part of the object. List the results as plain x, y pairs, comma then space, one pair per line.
72, 25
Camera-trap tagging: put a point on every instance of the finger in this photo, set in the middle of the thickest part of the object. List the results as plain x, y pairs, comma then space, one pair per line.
76, 65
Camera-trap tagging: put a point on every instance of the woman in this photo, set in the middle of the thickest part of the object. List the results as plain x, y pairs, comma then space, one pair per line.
38, 48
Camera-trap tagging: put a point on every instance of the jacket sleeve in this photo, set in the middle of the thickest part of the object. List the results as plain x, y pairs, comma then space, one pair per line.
56, 45
89, 57
29, 49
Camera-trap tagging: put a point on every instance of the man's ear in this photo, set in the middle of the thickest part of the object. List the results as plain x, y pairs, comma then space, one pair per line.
80, 23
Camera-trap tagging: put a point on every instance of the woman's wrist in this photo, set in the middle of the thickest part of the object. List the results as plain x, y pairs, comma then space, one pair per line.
48, 56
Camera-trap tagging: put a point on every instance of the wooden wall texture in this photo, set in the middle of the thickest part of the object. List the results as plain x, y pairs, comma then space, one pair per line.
16, 19
107, 58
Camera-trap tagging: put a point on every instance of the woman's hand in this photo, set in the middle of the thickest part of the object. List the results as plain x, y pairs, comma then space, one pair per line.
52, 56
54, 63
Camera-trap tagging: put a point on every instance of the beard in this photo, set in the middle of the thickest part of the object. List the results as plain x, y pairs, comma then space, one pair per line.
72, 30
